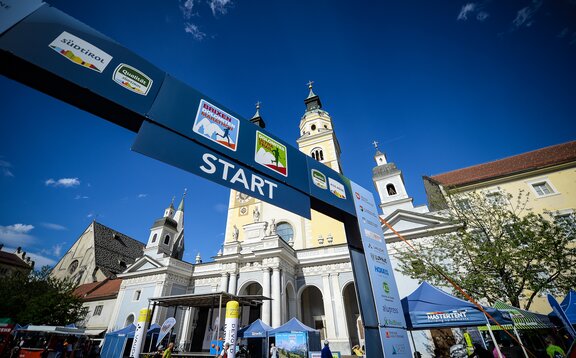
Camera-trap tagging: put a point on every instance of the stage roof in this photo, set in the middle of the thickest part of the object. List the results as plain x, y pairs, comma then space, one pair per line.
207, 300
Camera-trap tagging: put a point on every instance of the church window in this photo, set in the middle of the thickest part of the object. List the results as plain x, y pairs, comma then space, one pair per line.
73, 266
154, 237
98, 310
167, 240
391, 189
317, 154
129, 320
137, 295
285, 231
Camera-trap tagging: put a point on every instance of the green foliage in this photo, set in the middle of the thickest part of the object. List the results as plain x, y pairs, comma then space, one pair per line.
501, 251
40, 299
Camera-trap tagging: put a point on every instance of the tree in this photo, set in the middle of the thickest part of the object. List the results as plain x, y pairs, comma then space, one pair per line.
501, 251
38, 298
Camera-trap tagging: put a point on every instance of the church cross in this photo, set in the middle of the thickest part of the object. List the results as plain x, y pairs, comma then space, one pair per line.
310, 84
375, 143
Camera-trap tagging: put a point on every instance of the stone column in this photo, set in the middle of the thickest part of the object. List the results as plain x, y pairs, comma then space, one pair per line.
276, 307
328, 312
224, 282
232, 284
266, 293
341, 329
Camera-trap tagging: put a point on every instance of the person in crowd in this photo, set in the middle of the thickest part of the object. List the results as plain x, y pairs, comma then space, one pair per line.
553, 350
224, 352
326, 353
273, 351
168, 351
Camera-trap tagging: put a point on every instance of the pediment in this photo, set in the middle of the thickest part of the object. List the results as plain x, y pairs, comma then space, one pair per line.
143, 264
413, 223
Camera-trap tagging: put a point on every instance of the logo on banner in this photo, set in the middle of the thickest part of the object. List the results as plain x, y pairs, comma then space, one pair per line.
166, 326
132, 79
385, 287
215, 124
381, 270
271, 154
337, 188
81, 52
456, 315
319, 179
379, 259
372, 235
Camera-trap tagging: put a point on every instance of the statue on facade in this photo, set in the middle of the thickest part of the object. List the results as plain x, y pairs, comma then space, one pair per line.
256, 215
235, 233
272, 227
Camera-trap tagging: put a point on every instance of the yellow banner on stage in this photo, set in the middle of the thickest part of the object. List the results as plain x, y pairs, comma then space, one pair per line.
233, 309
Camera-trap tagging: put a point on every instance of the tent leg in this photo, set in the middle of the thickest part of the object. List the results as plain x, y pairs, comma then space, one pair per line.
413, 343
493, 339
521, 343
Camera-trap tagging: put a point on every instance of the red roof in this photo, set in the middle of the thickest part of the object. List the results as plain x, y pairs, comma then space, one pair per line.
98, 290
537, 159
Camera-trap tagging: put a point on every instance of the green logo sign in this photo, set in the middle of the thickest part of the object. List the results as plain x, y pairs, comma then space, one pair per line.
386, 287
271, 154
319, 179
132, 79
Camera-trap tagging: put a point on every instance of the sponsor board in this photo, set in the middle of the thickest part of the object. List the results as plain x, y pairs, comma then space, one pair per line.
80, 52
215, 124
337, 188
319, 179
132, 79
271, 154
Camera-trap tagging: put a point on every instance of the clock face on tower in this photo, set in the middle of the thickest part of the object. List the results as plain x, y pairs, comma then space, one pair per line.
242, 198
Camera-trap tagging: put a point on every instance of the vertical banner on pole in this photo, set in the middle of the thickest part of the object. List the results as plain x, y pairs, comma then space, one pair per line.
231, 326
140, 333
393, 334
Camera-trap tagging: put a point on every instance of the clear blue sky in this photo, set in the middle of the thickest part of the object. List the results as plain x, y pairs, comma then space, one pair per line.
440, 84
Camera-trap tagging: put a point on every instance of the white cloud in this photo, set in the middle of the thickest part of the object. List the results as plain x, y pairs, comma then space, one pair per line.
194, 31
56, 227
16, 234
142, 195
466, 9
482, 15
90, 215
63, 182
54, 251
6, 168
525, 15
78, 197
186, 7
219, 6
41, 261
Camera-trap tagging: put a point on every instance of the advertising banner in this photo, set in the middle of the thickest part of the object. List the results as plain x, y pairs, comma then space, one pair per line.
202, 119
292, 344
329, 186
562, 315
140, 333
231, 326
12, 11
386, 298
171, 148
165, 328
81, 66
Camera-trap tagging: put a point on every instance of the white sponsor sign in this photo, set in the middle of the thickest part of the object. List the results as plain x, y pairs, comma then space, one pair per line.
81, 52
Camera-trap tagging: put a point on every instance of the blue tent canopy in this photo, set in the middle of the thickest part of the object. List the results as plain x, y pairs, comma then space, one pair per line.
257, 329
568, 304
429, 307
126, 330
294, 325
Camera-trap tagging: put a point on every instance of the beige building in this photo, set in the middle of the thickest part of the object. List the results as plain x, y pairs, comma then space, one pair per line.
547, 175
14, 262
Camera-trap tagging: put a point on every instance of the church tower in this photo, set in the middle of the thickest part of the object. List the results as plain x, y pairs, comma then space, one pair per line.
389, 183
167, 234
317, 137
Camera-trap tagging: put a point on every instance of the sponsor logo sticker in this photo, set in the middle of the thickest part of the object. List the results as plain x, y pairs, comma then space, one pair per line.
319, 179
372, 235
271, 154
215, 124
337, 188
80, 52
385, 287
132, 79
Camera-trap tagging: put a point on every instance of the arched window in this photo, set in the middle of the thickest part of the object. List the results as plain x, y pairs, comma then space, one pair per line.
317, 154
167, 240
285, 231
129, 320
154, 237
391, 189
73, 266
